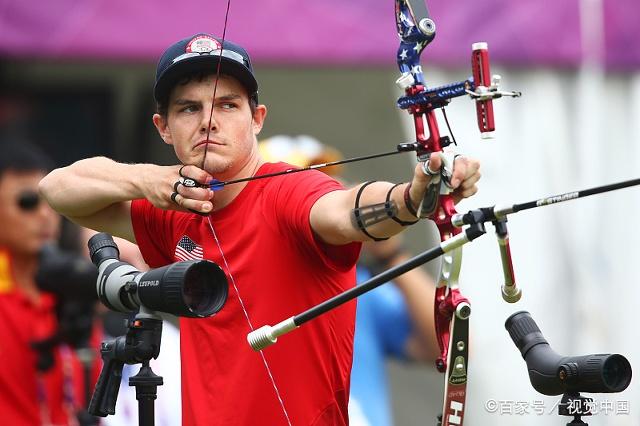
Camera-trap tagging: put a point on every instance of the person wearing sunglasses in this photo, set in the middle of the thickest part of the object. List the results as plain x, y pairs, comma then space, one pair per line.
29, 395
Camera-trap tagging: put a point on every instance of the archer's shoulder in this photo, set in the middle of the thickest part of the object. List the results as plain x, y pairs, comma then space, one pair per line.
295, 177
290, 187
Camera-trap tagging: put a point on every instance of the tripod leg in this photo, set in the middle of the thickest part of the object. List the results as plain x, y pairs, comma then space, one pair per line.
146, 383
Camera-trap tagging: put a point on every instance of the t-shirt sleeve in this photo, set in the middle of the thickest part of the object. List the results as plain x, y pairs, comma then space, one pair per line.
154, 230
294, 197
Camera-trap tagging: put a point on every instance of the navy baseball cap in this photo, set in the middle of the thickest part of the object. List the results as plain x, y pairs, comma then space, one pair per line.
202, 52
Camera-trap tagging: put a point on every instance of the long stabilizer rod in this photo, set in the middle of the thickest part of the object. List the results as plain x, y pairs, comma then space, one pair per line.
268, 335
490, 214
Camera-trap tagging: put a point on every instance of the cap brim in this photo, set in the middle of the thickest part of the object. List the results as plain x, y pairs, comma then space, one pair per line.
208, 63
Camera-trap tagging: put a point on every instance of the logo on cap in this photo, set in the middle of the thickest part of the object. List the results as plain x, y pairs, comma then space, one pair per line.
203, 44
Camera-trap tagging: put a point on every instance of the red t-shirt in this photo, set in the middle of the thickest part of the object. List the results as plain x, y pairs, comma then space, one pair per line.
29, 397
280, 269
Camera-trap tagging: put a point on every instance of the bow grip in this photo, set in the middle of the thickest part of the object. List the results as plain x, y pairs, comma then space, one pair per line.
482, 79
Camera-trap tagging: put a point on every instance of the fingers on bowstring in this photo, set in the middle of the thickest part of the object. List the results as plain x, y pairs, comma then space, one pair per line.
179, 199
196, 174
191, 195
191, 189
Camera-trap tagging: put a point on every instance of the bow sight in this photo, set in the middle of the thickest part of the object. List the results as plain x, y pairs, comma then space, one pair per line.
482, 86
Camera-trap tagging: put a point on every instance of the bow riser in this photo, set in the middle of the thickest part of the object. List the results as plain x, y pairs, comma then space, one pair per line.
451, 310
432, 142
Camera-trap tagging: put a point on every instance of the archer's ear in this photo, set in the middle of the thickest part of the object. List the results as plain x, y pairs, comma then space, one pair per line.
258, 118
162, 125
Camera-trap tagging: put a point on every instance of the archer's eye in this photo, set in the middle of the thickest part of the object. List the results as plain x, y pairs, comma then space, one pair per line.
190, 108
228, 105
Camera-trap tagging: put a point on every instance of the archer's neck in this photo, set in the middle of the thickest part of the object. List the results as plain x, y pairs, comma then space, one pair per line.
225, 196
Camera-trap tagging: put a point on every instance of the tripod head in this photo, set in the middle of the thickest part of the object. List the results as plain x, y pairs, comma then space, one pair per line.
576, 406
139, 345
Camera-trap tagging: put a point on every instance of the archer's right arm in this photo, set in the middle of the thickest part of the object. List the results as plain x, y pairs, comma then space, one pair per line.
97, 192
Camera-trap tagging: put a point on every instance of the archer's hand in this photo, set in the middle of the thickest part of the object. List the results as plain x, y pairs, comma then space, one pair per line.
171, 188
463, 179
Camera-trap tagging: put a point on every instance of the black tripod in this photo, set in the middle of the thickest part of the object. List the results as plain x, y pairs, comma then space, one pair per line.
572, 404
139, 345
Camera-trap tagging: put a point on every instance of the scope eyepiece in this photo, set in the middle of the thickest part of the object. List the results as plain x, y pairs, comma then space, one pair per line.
102, 247
553, 374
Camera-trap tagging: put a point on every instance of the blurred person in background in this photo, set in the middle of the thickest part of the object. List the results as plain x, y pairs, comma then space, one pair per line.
392, 321
285, 243
42, 380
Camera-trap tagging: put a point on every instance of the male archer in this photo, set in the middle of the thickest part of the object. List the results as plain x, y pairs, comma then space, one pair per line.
285, 243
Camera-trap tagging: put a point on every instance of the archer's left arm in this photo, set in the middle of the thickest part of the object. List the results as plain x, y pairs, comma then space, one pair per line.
363, 213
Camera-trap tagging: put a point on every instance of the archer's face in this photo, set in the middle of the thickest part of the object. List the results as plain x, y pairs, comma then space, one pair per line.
27, 222
231, 143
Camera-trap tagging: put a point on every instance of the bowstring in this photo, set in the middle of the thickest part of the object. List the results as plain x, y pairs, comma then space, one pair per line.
248, 319
215, 84
215, 236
